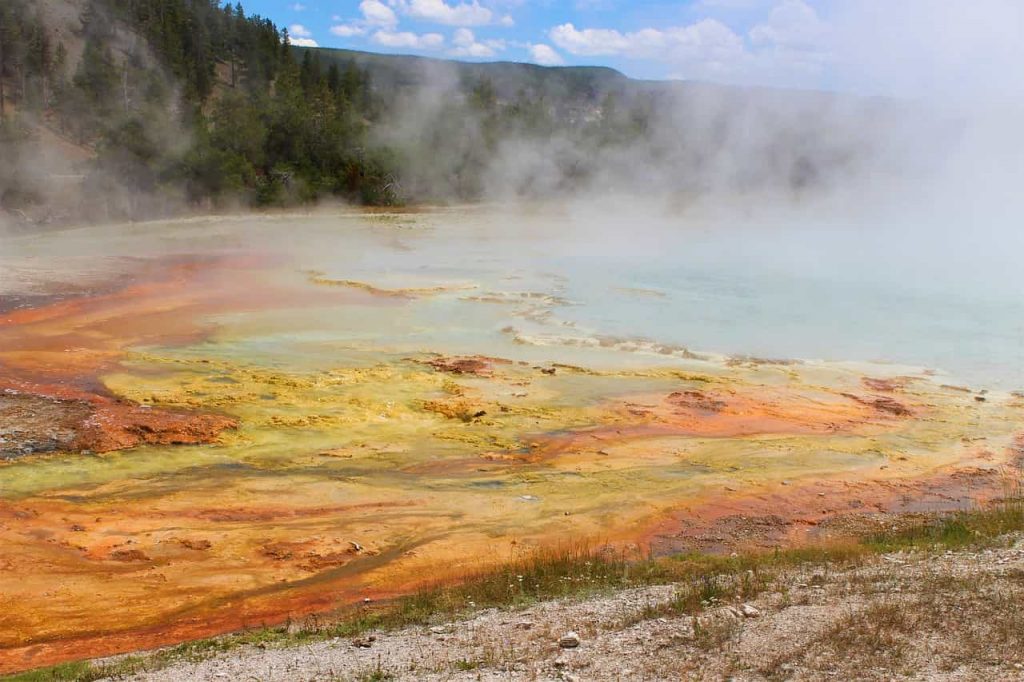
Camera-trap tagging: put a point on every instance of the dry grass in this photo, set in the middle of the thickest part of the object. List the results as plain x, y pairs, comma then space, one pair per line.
945, 621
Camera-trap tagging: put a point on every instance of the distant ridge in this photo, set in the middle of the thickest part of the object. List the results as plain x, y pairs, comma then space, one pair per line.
509, 79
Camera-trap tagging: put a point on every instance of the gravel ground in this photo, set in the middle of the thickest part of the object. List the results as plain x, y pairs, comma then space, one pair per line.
908, 616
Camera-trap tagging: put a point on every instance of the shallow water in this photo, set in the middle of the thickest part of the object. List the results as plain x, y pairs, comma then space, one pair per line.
761, 290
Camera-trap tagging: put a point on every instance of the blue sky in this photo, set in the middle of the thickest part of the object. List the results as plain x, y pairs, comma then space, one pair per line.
873, 46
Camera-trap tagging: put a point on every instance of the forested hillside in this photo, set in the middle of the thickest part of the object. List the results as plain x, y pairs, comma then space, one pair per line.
129, 108
177, 99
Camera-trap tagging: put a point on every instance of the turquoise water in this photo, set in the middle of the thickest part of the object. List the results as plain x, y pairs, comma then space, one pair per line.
975, 338
949, 301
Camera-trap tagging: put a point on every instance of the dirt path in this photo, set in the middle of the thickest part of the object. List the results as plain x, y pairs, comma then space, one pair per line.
913, 616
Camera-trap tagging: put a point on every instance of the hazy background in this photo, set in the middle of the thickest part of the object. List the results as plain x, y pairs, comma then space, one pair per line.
903, 181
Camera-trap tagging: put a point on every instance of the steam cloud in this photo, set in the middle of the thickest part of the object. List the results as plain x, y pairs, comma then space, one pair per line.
924, 126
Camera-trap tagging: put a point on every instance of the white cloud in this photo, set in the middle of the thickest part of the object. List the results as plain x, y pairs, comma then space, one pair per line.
960, 50
792, 24
376, 13
545, 55
708, 38
734, 4
440, 12
301, 36
408, 40
463, 37
507, 21
348, 30
298, 7
790, 47
466, 45
589, 41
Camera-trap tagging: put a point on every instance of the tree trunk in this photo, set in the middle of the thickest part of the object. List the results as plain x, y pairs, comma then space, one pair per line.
3, 109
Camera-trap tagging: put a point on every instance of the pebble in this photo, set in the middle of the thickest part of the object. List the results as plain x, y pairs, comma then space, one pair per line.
364, 642
749, 611
569, 640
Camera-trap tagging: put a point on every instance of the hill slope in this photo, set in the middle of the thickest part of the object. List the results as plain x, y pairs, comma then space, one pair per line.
172, 103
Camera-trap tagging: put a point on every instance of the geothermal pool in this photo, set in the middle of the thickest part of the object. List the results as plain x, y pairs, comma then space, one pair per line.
220, 423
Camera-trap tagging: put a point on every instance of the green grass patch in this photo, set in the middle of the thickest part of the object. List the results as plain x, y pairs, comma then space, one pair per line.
958, 530
58, 673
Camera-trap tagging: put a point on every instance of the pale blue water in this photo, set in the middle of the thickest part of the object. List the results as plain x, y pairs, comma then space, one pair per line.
951, 301
975, 338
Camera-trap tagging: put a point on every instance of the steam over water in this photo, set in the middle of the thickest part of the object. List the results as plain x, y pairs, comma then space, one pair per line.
759, 295
772, 291
560, 282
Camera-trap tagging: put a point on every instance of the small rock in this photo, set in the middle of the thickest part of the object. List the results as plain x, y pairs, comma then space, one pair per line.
364, 642
560, 662
524, 624
439, 629
749, 611
569, 640
128, 555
